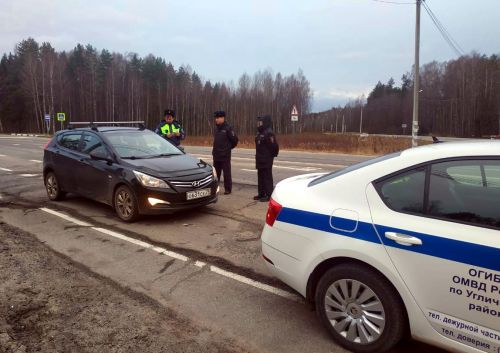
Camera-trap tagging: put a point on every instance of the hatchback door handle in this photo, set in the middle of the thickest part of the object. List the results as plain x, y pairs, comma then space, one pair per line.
403, 239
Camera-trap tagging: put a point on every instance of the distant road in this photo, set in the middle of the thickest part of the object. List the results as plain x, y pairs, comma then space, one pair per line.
287, 164
427, 138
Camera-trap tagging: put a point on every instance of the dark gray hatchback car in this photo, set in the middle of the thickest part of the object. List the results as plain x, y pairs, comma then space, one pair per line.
131, 169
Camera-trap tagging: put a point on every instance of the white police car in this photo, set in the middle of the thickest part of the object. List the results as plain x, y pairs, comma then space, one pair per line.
408, 242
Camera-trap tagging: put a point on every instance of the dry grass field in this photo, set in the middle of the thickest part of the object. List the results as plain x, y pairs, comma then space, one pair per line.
339, 143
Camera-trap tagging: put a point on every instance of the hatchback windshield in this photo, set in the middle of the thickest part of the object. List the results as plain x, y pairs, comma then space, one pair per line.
140, 144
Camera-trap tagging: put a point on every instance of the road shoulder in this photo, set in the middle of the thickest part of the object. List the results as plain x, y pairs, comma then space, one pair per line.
50, 303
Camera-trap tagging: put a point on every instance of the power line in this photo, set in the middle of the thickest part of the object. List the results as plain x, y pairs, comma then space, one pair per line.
395, 2
444, 32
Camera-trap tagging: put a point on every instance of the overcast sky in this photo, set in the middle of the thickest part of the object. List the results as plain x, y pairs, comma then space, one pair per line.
343, 46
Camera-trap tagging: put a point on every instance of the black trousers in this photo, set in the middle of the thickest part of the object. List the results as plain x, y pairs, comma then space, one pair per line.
224, 167
265, 181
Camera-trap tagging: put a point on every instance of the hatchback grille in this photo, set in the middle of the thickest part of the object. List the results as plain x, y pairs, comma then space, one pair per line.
195, 184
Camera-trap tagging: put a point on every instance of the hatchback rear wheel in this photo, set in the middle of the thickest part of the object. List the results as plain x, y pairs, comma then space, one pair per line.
360, 309
126, 204
53, 187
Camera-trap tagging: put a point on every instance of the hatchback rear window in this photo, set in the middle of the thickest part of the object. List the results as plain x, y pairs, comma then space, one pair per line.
70, 140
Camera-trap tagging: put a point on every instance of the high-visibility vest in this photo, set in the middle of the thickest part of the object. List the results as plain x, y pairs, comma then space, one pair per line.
165, 129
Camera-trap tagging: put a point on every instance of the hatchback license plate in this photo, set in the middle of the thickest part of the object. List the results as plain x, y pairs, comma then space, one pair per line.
191, 195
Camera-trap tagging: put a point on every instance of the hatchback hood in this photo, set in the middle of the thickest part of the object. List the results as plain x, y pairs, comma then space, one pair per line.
169, 166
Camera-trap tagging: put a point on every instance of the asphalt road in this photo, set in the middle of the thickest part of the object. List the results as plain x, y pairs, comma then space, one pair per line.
287, 164
205, 265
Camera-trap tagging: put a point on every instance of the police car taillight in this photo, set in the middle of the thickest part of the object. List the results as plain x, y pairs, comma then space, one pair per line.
273, 212
47, 144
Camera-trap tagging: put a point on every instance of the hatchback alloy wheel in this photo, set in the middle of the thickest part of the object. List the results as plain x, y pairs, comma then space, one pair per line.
52, 186
126, 204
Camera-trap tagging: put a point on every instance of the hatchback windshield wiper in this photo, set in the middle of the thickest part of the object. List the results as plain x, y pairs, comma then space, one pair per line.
163, 155
135, 157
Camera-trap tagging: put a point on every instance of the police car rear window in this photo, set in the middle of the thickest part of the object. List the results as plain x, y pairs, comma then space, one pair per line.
351, 168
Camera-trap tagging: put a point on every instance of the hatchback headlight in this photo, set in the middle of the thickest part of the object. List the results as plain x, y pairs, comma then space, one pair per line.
149, 181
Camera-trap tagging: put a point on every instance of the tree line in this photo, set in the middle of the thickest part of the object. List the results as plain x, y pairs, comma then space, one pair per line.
91, 85
457, 98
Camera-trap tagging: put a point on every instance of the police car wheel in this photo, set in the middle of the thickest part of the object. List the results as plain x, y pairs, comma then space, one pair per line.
125, 204
53, 187
360, 309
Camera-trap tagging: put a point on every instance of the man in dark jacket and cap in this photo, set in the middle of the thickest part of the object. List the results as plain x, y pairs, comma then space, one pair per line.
266, 148
170, 129
224, 141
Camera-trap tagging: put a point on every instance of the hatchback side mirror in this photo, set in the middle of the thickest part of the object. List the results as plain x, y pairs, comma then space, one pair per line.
101, 155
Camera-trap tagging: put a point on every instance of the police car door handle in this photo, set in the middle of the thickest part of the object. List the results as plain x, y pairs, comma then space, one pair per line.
403, 239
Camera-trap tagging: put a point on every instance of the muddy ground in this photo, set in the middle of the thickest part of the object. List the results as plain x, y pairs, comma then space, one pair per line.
50, 304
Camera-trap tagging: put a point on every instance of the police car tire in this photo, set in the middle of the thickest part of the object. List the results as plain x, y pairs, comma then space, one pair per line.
134, 212
395, 318
53, 187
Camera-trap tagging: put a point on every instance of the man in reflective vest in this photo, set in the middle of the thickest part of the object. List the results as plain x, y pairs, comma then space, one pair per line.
170, 129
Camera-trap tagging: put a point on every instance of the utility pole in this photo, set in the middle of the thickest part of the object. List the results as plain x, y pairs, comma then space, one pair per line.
361, 120
416, 78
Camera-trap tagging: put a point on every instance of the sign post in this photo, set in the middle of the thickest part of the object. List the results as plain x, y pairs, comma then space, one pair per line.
295, 117
61, 117
47, 122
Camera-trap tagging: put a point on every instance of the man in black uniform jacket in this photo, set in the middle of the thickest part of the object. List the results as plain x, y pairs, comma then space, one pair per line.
266, 148
224, 141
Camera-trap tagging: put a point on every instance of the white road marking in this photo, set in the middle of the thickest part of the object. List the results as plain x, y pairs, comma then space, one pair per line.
66, 217
199, 264
123, 237
36, 161
219, 271
2, 155
19, 137
29, 175
305, 169
299, 164
170, 253
15, 144
255, 284
6, 170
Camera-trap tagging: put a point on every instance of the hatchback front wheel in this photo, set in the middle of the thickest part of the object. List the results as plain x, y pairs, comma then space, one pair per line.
126, 204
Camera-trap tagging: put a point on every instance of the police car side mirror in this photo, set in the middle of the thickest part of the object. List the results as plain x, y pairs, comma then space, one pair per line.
100, 155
